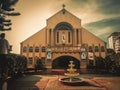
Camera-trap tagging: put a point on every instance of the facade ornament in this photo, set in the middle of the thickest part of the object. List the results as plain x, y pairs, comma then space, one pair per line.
63, 8
63, 37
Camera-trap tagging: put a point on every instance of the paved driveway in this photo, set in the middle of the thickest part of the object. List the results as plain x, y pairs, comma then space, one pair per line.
50, 82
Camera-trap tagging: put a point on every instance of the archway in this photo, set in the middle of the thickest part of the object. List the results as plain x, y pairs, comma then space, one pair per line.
63, 26
63, 61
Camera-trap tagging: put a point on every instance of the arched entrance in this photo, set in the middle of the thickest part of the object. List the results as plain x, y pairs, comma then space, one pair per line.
63, 61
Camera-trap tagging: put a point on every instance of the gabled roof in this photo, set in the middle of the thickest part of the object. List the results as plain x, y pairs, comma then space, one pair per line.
33, 35
94, 35
63, 11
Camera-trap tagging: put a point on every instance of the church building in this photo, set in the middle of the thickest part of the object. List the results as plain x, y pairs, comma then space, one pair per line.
61, 40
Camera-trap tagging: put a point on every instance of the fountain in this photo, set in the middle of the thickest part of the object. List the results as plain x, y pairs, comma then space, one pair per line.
71, 76
72, 79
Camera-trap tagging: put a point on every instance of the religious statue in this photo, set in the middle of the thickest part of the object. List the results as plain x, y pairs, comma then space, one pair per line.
63, 38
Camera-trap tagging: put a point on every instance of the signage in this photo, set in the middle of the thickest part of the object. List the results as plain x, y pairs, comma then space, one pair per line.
83, 54
90, 56
49, 56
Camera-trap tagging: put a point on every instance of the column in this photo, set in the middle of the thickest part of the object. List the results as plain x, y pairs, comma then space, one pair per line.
47, 36
52, 37
99, 47
33, 55
79, 36
74, 39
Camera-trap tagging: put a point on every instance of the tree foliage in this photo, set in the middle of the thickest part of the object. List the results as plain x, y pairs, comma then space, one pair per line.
110, 52
16, 64
39, 65
7, 9
100, 63
113, 63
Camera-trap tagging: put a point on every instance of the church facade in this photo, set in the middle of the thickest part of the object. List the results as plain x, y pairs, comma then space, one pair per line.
63, 39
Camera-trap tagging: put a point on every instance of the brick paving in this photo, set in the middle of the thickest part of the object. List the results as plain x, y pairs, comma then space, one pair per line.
50, 82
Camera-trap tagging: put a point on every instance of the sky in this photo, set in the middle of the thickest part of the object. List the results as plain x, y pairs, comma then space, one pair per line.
101, 17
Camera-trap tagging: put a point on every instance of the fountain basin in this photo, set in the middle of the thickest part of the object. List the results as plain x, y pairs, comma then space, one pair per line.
71, 74
74, 81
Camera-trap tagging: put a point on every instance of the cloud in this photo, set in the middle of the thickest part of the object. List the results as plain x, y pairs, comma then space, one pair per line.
80, 2
112, 22
102, 32
108, 6
103, 28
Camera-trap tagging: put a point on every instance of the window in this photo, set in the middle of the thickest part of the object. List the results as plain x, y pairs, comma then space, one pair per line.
96, 49
24, 49
30, 61
43, 49
30, 49
90, 49
102, 49
68, 37
57, 37
77, 36
63, 26
36, 49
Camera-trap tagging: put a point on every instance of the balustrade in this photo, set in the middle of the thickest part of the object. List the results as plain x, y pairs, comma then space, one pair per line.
65, 48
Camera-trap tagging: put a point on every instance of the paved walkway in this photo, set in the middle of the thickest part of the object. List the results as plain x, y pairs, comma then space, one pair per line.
50, 82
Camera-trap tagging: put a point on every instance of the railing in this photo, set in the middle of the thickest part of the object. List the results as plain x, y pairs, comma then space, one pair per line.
65, 49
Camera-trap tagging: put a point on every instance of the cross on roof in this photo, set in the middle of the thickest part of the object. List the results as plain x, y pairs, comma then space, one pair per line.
63, 6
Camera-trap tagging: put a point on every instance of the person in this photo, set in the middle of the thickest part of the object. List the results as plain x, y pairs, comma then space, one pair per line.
4, 50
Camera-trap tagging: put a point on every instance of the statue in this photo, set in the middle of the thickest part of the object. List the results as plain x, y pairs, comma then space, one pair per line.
63, 38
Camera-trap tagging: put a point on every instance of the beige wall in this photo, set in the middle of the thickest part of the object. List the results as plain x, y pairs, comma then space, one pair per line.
38, 38
60, 17
46, 37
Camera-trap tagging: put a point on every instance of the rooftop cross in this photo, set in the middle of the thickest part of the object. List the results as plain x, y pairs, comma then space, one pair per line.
63, 6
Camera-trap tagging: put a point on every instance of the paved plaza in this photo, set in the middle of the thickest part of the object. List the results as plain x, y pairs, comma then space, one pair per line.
50, 82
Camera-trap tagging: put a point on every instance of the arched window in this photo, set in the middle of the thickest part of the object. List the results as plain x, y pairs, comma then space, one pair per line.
43, 49
30, 49
24, 49
63, 26
36, 49
96, 49
102, 49
90, 49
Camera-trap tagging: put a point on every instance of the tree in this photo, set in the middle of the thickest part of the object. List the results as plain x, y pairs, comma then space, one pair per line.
6, 9
100, 63
113, 63
16, 64
118, 63
110, 52
39, 65
109, 63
